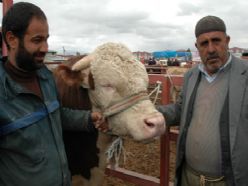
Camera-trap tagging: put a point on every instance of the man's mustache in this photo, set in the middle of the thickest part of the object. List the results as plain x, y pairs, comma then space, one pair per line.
212, 56
39, 54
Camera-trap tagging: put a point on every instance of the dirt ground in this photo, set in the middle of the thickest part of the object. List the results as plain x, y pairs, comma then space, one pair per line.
142, 158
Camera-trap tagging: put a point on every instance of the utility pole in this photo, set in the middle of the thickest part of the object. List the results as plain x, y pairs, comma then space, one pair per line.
63, 50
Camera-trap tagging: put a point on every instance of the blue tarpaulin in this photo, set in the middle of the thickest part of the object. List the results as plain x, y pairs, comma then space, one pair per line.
170, 54
164, 54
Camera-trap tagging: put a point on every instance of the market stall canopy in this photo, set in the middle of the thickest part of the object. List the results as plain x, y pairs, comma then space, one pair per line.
170, 54
164, 54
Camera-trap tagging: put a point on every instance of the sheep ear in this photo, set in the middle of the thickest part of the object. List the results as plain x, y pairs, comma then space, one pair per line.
82, 63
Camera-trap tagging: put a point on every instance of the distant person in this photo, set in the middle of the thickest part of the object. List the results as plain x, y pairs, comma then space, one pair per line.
212, 111
176, 62
31, 119
169, 62
151, 61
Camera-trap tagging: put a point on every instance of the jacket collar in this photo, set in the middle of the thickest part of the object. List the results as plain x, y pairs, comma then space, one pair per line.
15, 88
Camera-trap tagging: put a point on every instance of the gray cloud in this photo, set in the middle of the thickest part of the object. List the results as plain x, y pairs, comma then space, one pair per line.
81, 25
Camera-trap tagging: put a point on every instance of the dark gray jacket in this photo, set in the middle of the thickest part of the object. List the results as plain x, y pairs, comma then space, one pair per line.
238, 119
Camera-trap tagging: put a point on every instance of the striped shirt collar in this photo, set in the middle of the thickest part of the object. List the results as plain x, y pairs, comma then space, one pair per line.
212, 77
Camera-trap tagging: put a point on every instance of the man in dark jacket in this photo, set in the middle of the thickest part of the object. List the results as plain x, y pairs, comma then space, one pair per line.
212, 111
31, 118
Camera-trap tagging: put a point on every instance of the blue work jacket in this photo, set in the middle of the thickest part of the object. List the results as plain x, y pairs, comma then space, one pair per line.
31, 146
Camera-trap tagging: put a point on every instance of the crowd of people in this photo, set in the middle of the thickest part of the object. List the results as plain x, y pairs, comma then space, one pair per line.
169, 62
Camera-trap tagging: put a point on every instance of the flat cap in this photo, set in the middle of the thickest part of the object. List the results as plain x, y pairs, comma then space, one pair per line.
209, 24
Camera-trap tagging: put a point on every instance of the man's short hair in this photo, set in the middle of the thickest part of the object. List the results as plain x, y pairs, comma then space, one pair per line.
209, 24
18, 18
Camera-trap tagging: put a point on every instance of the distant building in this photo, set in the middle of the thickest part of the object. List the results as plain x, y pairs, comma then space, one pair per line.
142, 56
53, 59
236, 51
195, 56
52, 56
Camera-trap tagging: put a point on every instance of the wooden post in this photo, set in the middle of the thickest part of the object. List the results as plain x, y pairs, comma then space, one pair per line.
164, 140
168, 136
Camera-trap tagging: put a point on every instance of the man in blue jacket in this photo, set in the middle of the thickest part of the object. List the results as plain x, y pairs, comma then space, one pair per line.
212, 110
31, 120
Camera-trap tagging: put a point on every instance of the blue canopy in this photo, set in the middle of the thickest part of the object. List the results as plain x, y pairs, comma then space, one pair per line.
164, 54
170, 54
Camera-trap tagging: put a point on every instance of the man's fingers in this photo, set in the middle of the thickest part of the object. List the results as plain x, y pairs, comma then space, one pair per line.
101, 124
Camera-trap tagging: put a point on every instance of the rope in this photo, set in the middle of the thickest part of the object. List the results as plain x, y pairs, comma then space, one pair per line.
171, 81
125, 103
174, 90
115, 150
156, 90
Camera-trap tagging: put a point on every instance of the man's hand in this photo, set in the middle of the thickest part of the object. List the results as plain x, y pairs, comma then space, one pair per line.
99, 121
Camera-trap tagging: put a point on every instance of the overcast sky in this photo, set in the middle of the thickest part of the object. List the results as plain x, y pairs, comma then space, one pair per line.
143, 25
